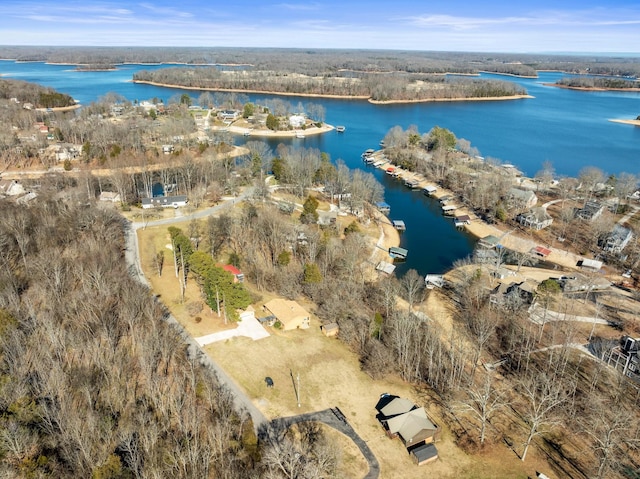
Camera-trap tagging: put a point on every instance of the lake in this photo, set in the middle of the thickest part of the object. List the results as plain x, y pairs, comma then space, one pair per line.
568, 128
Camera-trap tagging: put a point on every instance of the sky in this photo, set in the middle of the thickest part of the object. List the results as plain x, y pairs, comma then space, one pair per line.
600, 26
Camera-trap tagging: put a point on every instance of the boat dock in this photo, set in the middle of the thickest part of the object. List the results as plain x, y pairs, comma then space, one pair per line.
399, 225
398, 253
463, 216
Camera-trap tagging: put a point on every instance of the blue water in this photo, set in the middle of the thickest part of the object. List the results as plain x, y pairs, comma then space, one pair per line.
568, 128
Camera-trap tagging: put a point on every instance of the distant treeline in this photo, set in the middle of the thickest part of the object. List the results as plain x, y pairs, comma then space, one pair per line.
376, 86
316, 61
595, 82
39, 96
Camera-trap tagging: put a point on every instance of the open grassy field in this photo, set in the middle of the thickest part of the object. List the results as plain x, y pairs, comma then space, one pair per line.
330, 376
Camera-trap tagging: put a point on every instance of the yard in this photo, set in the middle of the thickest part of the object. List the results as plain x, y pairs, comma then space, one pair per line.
330, 376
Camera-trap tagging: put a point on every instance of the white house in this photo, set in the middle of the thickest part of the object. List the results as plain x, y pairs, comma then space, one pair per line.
165, 201
297, 121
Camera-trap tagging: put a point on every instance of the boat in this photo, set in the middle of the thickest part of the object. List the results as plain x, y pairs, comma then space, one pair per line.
369, 160
299, 134
368, 153
340, 129
382, 143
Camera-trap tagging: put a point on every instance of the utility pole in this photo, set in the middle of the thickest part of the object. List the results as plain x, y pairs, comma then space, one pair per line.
296, 389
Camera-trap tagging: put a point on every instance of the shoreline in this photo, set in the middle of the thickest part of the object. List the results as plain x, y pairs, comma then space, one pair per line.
61, 108
256, 92
592, 88
530, 77
311, 131
479, 229
434, 100
340, 97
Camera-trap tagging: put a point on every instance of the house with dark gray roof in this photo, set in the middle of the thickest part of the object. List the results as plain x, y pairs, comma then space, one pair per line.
590, 211
617, 240
536, 218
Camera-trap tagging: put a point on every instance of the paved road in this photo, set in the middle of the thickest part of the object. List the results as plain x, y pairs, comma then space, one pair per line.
335, 419
132, 256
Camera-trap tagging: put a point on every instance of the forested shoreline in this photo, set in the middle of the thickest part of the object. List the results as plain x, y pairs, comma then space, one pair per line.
377, 87
315, 61
39, 96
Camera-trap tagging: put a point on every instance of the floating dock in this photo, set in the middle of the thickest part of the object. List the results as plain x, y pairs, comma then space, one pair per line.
399, 225
398, 253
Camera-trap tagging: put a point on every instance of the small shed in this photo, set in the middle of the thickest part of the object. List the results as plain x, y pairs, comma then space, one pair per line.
541, 251
591, 264
424, 454
330, 329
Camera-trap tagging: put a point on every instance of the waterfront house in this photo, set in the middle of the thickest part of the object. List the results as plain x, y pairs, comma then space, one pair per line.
297, 121
290, 314
228, 115
617, 240
590, 211
536, 218
521, 199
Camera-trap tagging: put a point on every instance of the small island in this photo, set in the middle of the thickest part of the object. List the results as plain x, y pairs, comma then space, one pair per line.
587, 83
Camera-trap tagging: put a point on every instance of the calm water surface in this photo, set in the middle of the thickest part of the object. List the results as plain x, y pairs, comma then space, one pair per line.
568, 128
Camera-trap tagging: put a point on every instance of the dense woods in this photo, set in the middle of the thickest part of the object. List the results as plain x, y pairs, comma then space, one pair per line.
316, 61
94, 382
376, 86
598, 83
38, 96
